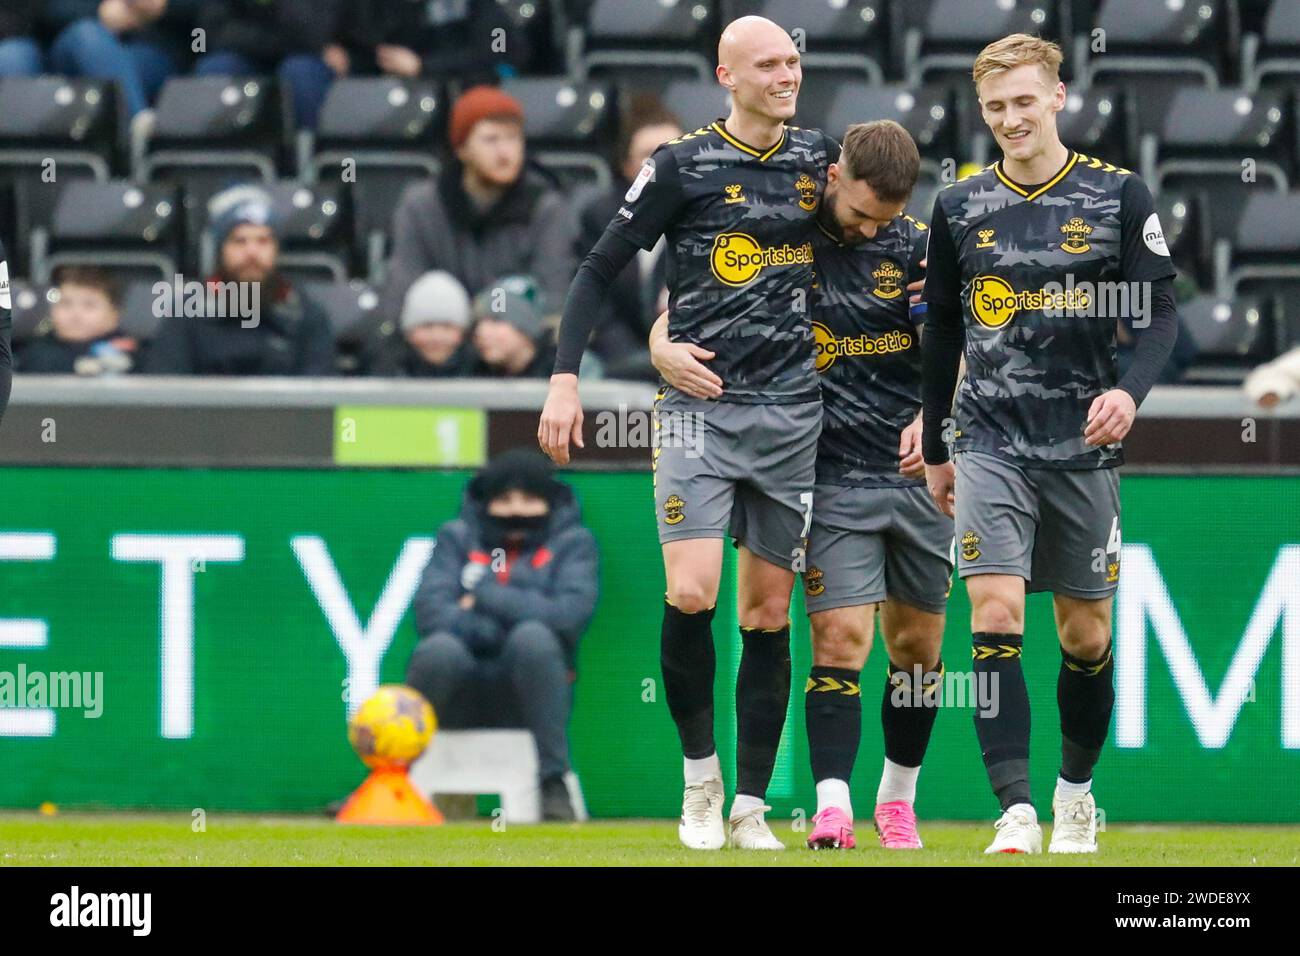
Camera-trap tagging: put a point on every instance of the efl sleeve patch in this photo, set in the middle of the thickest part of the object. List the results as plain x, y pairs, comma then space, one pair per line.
644, 176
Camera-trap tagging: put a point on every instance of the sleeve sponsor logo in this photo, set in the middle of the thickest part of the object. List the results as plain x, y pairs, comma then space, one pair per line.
1154, 236
647, 173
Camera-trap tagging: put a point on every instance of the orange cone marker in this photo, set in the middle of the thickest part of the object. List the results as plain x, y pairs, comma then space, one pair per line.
388, 798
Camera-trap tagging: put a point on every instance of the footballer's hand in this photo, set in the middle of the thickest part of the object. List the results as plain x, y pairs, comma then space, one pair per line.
681, 365
1110, 417
910, 462
942, 482
561, 418
914, 289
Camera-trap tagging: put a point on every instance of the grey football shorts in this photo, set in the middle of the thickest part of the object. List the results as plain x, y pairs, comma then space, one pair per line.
723, 469
1058, 529
871, 543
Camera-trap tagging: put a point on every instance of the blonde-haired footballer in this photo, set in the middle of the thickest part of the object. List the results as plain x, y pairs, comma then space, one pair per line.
1015, 258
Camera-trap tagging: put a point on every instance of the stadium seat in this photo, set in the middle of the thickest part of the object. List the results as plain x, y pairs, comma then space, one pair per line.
378, 134
31, 310
350, 305
1232, 335
1184, 228
1275, 51
945, 35
115, 224
1265, 243
846, 37
234, 124
72, 122
502, 762
1153, 37
924, 112
632, 36
565, 122
314, 234
695, 103
1207, 132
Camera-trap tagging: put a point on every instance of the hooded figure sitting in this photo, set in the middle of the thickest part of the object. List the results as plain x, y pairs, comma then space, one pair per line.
501, 605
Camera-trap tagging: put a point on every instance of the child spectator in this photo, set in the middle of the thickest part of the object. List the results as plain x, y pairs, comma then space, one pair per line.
84, 334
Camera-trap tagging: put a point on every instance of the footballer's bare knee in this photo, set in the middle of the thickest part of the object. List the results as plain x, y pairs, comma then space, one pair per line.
997, 603
912, 636
1083, 626
763, 592
693, 568
841, 637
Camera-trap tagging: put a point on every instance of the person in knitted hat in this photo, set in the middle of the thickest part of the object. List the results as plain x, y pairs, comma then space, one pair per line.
433, 342
511, 338
486, 215
253, 321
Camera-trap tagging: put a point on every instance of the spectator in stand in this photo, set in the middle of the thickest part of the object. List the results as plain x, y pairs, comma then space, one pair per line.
286, 334
500, 609
510, 338
285, 37
20, 53
433, 343
1275, 382
639, 293
85, 334
486, 215
138, 43
410, 38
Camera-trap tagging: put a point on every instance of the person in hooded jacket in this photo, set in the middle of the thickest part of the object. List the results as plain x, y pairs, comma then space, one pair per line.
510, 588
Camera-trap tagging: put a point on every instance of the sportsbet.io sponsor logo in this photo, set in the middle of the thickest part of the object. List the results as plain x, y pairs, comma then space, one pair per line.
737, 258
827, 348
994, 302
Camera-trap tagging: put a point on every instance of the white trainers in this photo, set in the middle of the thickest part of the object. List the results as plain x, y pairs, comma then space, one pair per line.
1018, 831
701, 824
750, 831
1074, 827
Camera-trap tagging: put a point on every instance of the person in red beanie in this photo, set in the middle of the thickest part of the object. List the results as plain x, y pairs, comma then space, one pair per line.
486, 215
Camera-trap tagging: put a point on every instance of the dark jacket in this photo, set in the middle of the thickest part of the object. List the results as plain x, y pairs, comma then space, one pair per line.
453, 38
555, 583
268, 30
50, 355
393, 357
292, 337
18, 18
436, 226
542, 365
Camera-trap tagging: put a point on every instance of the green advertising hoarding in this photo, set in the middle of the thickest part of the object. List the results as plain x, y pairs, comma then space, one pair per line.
231, 614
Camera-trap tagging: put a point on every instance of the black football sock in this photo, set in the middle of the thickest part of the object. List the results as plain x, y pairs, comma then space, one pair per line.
1002, 729
832, 702
1085, 694
688, 661
762, 698
906, 715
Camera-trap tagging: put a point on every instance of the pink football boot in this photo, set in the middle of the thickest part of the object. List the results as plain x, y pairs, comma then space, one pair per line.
896, 824
832, 830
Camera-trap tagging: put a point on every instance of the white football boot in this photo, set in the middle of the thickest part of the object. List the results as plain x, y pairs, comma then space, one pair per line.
1074, 827
1018, 831
701, 824
749, 831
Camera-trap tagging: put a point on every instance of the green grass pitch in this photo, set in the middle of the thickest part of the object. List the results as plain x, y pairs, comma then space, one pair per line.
82, 839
